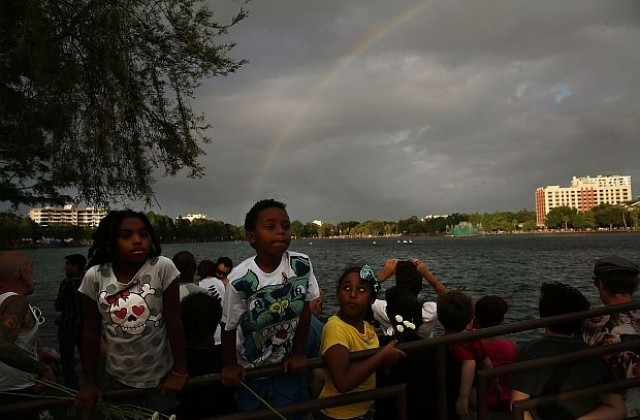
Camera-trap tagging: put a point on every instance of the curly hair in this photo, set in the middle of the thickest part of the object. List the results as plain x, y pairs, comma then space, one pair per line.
105, 238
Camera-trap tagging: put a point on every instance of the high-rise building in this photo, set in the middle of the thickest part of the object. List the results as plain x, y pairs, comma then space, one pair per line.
583, 194
46, 216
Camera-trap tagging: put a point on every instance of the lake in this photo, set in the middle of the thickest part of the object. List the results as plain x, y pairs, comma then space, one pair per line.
512, 266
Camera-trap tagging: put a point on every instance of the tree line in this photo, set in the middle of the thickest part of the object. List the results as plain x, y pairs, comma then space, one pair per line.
22, 231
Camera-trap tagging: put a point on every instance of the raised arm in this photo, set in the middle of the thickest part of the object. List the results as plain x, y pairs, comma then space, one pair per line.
429, 276
388, 270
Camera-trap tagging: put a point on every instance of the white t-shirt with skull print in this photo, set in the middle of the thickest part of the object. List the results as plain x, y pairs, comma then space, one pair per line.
138, 352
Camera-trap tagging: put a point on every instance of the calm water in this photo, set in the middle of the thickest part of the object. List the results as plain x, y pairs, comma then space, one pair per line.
512, 266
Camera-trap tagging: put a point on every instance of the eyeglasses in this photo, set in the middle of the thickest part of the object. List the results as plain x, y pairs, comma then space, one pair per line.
37, 313
366, 273
222, 273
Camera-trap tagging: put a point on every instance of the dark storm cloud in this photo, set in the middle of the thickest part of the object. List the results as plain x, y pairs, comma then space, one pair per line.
463, 106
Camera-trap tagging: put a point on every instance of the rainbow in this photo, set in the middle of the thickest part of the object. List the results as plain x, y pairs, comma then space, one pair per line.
369, 40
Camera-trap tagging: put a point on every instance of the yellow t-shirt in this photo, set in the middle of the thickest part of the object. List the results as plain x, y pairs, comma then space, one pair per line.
336, 331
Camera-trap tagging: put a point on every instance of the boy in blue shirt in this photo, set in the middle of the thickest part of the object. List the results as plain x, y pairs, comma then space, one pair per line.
266, 311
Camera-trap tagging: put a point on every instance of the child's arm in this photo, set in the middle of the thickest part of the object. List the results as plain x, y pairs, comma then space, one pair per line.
91, 335
388, 270
346, 375
429, 276
232, 373
518, 396
297, 362
177, 378
496, 387
467, 373
612, 407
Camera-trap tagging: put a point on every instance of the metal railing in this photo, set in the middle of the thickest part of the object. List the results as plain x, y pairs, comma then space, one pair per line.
399, 392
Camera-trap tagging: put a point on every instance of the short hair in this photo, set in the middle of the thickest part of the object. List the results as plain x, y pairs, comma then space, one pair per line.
200, 314
455, 310
558, 299
206, 268
77, 260
617, 275
408, 276
401, 301
226, 261
489, 311
186, 264
251, 219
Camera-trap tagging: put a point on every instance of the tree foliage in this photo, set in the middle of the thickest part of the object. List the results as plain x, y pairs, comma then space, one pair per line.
95, 95
561, 217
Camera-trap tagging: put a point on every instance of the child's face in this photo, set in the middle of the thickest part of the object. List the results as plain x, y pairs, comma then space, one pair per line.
272, 234
133, 241
354, 296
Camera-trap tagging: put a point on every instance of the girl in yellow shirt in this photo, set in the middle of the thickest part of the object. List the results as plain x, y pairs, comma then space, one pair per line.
348, 331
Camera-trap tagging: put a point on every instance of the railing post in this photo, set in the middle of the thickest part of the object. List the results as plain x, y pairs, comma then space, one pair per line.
517, 411
441, 380
481, 397
401, 404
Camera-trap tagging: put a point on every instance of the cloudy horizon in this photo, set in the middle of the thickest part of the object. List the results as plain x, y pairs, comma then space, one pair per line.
369, 109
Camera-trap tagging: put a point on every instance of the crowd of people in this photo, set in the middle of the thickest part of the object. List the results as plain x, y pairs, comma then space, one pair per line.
140, 320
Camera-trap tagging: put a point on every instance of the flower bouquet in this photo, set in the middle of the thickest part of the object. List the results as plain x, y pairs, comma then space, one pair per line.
403, 328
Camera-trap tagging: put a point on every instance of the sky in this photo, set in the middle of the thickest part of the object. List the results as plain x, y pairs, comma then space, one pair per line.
377, 109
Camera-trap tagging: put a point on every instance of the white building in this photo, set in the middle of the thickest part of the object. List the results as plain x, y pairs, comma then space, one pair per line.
435, 216
191, 217
583, 194
69, 214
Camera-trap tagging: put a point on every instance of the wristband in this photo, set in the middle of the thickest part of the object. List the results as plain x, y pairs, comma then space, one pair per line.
180, 375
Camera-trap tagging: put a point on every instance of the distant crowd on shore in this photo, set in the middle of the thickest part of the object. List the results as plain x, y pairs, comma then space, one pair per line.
139, 320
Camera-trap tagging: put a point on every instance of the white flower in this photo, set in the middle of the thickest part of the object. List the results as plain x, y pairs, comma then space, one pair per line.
409, 325
156, 416
400, 328
399, 318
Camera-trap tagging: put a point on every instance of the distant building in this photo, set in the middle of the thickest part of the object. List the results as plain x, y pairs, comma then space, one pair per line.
69, 214
583, 194
191, 217
317, 222
435, 216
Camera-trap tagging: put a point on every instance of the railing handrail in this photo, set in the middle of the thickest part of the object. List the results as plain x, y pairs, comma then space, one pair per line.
413, 346
519, 407
485, 375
